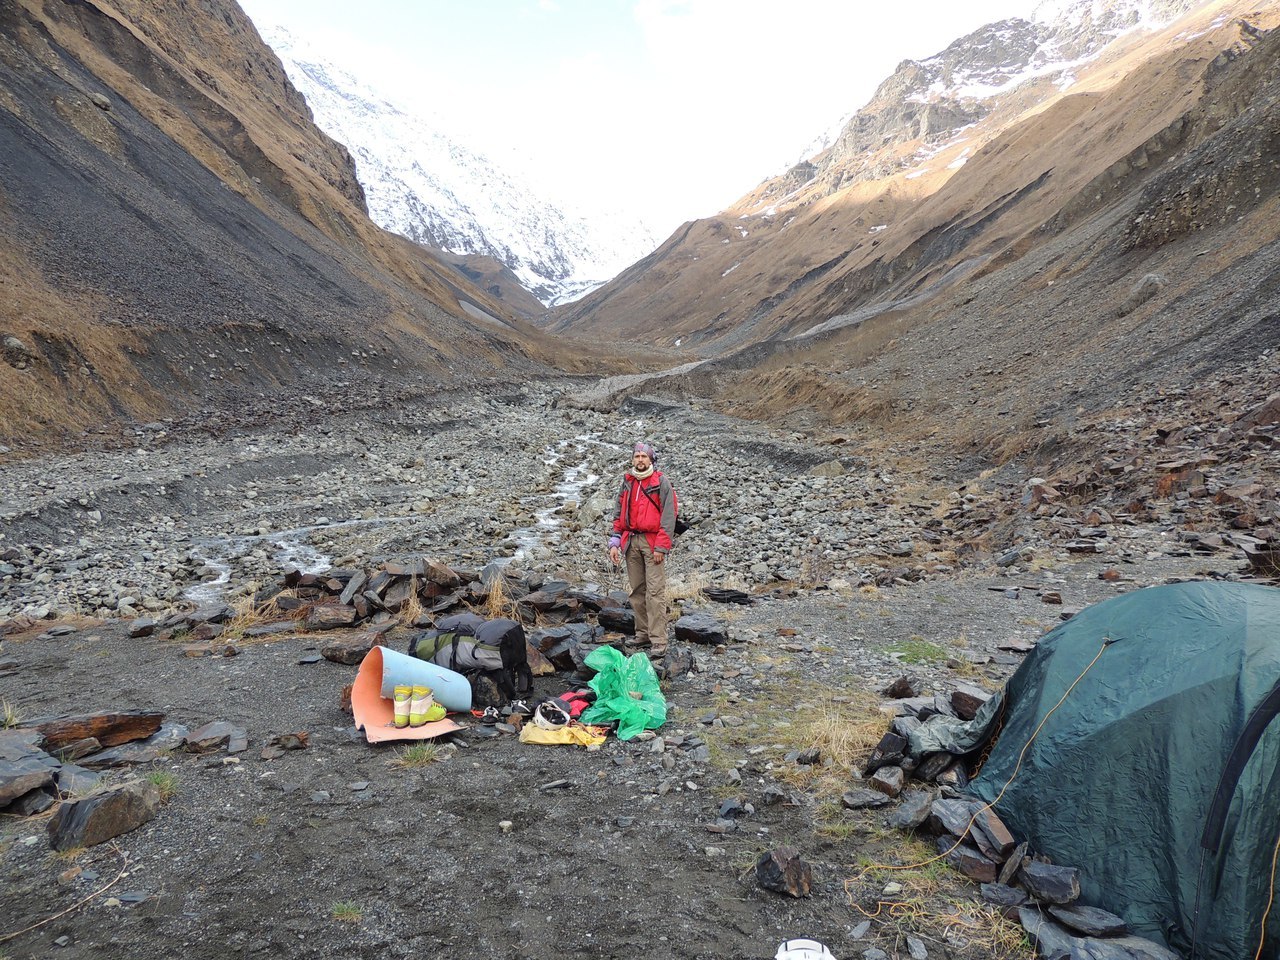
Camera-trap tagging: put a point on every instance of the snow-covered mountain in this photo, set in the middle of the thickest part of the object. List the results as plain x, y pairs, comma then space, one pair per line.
937, 96
427, 186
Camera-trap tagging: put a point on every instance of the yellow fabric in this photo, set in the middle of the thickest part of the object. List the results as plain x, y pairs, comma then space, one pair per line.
575, 735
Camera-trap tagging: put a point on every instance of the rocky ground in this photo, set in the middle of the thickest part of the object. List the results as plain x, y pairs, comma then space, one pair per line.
862, 573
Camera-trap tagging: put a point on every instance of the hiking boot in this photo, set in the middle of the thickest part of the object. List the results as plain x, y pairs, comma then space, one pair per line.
658, 649
422, 702
402, 696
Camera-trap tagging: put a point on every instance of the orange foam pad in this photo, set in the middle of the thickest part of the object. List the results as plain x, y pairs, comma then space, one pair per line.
375, 714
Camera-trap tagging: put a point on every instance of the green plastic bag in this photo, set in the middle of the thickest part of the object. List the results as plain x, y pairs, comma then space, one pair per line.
617, 681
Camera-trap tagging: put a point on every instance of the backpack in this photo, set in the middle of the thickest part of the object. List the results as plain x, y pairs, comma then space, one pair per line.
680, 525
491, 654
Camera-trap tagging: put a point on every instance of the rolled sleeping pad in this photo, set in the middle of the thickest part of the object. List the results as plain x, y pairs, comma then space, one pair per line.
450, 688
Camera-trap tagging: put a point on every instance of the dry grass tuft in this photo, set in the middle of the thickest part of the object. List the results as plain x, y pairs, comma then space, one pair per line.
983, 928
418, 755
412, 610
844, 734
499, 604
248, 614
686, 586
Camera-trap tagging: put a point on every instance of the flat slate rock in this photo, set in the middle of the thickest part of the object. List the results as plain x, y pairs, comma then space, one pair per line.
1090, 921
32, 802
1002, 895
214, 736
76, 781
912, 810
23, 766
1053, 940
17, 742
110, 728
127, 754
862, 799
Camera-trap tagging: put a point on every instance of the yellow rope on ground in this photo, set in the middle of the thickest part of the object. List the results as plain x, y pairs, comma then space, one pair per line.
1106, 641
124, 864
1271, 898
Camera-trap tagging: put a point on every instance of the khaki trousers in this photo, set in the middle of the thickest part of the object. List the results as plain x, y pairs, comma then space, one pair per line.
648, 592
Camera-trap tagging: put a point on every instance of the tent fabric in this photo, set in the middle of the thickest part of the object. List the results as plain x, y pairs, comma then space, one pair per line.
1121, 780
942, 733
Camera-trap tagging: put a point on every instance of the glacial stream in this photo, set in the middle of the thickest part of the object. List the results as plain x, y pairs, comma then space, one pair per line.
293, 549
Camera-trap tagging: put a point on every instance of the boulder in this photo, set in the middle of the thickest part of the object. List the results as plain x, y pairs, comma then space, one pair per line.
101, 816
700, 628
902, 688
782, 871
966, 699
888, 780
330, 617
618, 620
349, 651
1002, 895
968, 860
1050, 883
891, 749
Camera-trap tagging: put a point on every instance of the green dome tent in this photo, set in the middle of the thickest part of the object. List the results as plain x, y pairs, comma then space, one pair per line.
1158, 777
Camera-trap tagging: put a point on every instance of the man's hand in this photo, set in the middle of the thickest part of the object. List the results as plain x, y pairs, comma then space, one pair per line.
615, 555
659, 558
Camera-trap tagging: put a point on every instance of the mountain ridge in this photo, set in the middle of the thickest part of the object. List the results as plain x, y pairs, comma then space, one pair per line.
815, 306
182, 237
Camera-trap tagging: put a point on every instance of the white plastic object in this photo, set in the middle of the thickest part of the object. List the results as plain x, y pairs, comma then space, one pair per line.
801, 949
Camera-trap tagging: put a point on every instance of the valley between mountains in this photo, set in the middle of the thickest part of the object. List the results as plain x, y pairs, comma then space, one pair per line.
1003, 348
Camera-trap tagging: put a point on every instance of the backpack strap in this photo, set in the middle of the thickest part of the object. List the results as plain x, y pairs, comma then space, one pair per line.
524, 678
678, 527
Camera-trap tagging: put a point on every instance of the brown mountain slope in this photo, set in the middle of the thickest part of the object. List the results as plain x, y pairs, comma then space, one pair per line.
178, 233
1144, 304
961, 236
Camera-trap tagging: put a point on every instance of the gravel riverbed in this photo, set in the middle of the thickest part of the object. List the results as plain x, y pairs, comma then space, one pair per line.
341, 849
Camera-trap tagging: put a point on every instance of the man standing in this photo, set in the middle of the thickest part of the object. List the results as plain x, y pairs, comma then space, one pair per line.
642, 532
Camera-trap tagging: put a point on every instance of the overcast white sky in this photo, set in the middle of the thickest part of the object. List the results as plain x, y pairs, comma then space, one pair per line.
668, 109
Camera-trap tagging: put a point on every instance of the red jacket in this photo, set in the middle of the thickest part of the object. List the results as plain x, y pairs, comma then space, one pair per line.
646, 506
